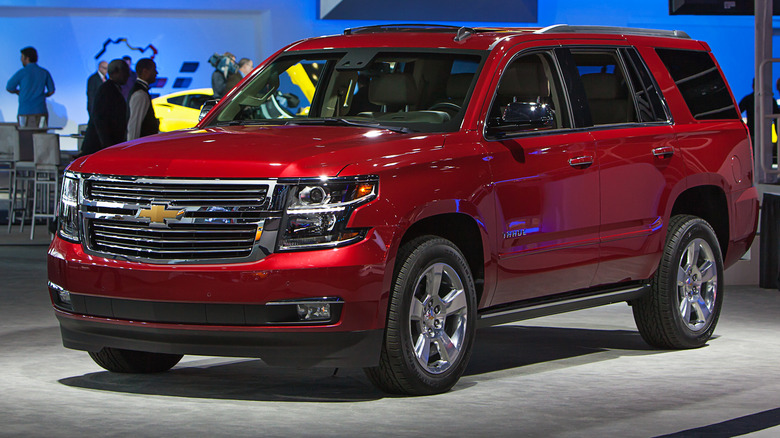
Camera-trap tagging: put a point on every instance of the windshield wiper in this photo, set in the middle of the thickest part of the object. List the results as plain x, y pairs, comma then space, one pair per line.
248, 122
339, 121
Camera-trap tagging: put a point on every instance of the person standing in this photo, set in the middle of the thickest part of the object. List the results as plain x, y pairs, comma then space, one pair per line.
94, 82
131, 79
142, 119
223, 68
33, 84
245, 66
108, 122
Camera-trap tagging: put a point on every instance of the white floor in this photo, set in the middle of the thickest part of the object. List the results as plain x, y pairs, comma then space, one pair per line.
583, 374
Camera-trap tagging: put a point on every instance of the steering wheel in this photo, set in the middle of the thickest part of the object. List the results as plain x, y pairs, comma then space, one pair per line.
447, 107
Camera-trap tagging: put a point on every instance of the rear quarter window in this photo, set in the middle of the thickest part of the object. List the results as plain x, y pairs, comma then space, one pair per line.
700, 82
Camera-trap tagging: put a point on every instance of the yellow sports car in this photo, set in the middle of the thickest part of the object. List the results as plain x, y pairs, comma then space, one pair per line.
180, 110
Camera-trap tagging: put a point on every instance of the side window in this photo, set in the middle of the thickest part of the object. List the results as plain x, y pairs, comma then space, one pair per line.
529, 86
606, 88
195, 101
177, 100
646, 93
700, 82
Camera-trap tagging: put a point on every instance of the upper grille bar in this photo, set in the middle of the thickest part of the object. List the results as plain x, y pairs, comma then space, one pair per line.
181, 192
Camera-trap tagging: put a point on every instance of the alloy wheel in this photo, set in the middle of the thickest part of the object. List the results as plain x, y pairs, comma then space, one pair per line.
438, 318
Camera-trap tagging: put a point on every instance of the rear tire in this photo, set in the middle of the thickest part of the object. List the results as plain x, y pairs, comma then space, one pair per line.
687, 291
431, 320
130, 361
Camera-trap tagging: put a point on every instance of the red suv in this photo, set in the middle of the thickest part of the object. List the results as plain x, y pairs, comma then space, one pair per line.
370, 199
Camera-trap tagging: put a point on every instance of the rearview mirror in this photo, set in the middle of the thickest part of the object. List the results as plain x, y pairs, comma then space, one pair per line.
528, 114
207, 106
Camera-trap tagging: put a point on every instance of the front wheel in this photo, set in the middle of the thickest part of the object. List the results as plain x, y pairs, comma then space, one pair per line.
130, 361
431, 320
687, 290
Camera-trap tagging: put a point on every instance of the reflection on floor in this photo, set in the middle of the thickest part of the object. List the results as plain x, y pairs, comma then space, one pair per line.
583, 374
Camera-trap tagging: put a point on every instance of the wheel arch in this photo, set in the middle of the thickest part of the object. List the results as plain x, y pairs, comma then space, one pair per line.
709, 203
461, 229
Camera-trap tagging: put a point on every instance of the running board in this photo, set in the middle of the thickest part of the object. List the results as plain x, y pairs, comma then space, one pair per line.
567, 303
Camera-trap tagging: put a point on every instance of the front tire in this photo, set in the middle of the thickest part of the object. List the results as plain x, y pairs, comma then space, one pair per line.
130, 361
431, 320
687, 290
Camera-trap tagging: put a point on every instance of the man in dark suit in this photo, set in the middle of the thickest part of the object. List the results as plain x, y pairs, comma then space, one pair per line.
142, 119
133, 76
94, 82
108, 122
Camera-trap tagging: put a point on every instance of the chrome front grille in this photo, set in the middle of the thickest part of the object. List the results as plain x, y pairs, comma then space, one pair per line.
159, 220
178, 242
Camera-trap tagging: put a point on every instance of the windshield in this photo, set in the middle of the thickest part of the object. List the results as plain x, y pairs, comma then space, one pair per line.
407, 91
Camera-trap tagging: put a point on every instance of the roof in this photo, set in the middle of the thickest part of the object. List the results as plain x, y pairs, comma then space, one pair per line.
454, 37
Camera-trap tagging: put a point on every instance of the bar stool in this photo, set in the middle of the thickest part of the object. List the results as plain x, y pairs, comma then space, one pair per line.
21, 177
46, 148
9, 136
81, 134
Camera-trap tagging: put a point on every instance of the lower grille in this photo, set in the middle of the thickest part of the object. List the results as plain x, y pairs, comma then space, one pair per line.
178, 241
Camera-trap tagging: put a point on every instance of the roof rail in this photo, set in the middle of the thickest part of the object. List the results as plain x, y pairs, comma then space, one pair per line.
565, 28
414, 27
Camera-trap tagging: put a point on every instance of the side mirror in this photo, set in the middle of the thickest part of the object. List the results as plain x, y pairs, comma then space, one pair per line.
528, 114
207, 106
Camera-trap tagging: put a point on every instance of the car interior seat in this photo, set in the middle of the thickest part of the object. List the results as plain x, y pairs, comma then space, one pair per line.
607, 98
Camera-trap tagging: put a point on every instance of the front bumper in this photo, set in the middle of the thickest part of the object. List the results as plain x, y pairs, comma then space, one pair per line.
207, 309
303, 349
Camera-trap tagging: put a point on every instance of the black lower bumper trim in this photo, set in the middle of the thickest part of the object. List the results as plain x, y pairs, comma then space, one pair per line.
303, 349
188, 313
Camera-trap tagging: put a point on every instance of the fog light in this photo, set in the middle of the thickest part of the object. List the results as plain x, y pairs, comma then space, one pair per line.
62, 295
313, 312
320, 310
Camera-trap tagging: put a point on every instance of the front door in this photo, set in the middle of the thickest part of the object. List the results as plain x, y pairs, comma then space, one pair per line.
546, 187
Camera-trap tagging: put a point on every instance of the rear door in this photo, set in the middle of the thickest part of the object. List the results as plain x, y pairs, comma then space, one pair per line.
639, 162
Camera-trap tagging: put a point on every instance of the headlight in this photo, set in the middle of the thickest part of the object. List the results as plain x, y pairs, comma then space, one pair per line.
68, 224
318, 211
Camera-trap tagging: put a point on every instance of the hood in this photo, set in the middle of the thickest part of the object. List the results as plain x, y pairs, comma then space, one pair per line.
255, 152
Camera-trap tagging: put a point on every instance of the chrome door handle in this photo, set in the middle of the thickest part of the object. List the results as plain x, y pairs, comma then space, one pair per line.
663, 151
583, 161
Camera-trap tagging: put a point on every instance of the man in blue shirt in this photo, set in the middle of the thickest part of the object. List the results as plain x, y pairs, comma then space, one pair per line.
33, 84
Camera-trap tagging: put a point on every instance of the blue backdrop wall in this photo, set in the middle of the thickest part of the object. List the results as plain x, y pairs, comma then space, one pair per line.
68, 37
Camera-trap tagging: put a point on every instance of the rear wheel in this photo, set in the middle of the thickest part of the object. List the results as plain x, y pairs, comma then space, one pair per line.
431, 320
130, 361
687, 292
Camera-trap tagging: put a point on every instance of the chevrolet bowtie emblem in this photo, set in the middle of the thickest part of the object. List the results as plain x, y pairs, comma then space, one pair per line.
158, 213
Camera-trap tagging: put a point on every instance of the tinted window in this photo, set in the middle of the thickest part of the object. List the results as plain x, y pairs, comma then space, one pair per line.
646, 93
196, 101
177, 100
700, 83
605, 87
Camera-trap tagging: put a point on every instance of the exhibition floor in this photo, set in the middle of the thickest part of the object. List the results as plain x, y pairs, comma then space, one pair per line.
582, 374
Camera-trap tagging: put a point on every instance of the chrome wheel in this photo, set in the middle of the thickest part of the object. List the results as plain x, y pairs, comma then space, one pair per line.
431, 319
438, 317
697, 284
682, 307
